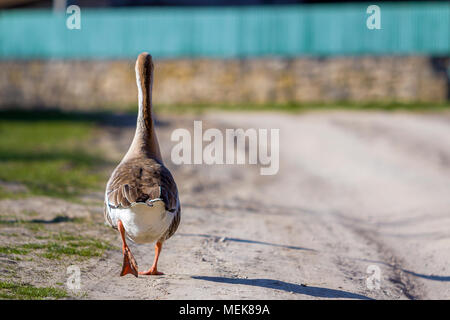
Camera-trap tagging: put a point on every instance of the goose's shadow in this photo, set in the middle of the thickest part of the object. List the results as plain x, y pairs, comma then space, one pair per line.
318, 292
57, 219
216, 238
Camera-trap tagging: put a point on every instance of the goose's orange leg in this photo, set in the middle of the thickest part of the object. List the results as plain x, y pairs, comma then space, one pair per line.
153, 271
129, 264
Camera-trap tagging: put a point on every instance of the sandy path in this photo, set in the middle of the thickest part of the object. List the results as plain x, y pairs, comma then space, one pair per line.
353, 190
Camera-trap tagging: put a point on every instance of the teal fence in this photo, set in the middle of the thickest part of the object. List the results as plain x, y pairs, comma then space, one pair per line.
340, 29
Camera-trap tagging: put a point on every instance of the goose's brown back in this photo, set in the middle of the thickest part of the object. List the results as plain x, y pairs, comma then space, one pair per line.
143, 180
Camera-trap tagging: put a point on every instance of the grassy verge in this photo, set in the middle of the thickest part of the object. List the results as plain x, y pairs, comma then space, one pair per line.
48, 152
11, 290
50, 244
32, 249
51, 153
58, 249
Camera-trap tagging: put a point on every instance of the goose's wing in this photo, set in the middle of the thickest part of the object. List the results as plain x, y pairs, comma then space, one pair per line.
141, 181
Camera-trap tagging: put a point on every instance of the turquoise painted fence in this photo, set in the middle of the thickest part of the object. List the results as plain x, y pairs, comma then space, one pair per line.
340, 29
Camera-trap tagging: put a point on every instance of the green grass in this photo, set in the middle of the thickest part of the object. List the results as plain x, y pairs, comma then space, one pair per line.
12, 250
295, 107
49, 153
30, 225
11, 290
59, 246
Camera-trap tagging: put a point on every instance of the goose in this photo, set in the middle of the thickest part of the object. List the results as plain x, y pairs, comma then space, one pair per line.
141, 198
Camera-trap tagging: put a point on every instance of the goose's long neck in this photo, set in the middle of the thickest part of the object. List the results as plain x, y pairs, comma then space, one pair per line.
145, 141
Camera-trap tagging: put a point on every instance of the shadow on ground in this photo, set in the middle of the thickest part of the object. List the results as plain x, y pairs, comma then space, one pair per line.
57, 219
223, 239
289, 287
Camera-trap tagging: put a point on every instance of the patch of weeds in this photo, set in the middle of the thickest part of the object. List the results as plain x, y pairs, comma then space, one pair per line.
7, 234
78, 220
39, 237
11, 290
35, 227
30, 225
65, 245
86, 249
12, 250
66, 236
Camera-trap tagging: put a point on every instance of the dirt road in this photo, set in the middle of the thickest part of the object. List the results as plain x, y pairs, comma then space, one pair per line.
354, 191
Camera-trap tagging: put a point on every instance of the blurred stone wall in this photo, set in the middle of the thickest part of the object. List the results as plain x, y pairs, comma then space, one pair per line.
106, 84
